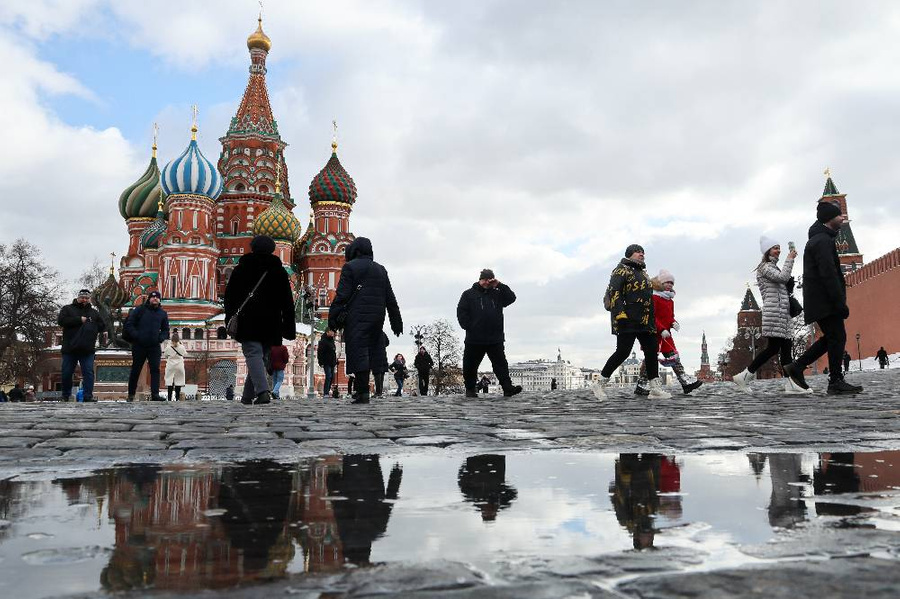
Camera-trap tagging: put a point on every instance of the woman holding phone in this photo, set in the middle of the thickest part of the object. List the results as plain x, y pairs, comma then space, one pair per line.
776, 315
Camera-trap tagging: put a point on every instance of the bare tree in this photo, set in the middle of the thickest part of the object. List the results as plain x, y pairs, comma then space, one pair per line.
92, 277
442, 343
29, 295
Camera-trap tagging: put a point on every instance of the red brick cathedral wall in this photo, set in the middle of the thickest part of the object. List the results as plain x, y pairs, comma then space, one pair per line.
873, 296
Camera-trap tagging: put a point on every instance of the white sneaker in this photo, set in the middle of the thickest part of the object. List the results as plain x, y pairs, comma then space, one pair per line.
599, 388
791, 388
656, 391
742, 378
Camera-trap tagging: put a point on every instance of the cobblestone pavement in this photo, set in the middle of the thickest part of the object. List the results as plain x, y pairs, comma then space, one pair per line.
718, 417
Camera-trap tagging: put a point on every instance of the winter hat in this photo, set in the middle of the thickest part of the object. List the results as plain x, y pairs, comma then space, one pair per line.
486, 274
155, 294
262, 244
85, 293
665, 276
826, 211
632, 249
766, 244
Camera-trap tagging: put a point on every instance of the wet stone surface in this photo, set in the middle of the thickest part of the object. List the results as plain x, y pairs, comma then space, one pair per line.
552, 495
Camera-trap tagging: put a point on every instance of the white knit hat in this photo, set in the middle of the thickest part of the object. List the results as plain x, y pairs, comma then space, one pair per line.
664, 276
766, 244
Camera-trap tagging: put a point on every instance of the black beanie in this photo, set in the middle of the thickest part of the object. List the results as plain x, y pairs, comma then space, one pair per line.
826, 211
262, 244
632, 249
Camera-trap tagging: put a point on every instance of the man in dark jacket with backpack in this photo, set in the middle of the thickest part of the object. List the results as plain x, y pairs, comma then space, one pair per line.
480, 314
266, 318
146, 327
824, 300
81, 324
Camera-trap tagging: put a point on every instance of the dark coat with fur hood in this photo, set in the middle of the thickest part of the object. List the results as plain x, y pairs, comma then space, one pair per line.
269, 316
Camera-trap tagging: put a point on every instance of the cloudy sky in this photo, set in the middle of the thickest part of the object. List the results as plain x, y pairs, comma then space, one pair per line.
537, 138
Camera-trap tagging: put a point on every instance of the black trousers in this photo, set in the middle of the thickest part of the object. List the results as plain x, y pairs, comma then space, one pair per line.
474, 353
423, 382
624, 343
152, 356
775, 345
832, 341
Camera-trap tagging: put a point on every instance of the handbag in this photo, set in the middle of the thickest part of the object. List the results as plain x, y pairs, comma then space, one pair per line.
231, 327
796, 308
340, 321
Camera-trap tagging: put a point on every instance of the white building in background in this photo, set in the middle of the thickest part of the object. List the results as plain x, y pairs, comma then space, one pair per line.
538, 375
630, 371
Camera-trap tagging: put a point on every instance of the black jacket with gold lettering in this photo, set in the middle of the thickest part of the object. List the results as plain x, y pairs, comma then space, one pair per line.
631, 297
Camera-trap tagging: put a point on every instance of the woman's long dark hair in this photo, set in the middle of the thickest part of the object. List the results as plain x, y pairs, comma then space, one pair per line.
764, 260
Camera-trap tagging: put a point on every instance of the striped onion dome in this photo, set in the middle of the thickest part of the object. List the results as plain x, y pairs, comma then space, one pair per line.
332, 184
192, 173
152, 235
139, 199
277, 222
111, 293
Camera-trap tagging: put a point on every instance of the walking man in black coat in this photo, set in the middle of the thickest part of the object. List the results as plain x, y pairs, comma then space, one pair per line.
327, 356
480, 314
363, 294
81, 324
824, 301
423, 364
882, 356
146, 328
266, 318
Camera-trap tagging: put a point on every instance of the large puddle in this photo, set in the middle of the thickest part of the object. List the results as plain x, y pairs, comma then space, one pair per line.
187, 528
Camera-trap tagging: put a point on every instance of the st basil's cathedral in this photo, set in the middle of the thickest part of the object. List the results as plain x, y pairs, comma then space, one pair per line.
190, 222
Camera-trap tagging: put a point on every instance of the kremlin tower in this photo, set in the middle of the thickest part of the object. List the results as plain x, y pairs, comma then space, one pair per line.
848, 252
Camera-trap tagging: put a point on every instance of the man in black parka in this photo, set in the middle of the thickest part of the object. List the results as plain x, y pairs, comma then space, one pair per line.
423, 363
146, 327
824, 300
81, 324
364, 311
326, 354
266, 319
480, 314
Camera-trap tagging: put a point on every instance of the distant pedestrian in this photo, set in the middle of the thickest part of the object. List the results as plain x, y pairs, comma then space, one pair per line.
30, 395
175, 354
380, 365
824, 300
146, 327
259, 293
327, 358
81, 324
363, 294
882, 357
3, 397
553, 384
229, 393
846, 359
16, 393
629, 298
423, 364
480, 314
398, 367
774, 285
484, 384
278, 361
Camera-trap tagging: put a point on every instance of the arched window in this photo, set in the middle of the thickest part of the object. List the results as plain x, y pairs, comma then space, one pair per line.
198, 333
185, 333
234, 226
263, 189
221, 333
240, 187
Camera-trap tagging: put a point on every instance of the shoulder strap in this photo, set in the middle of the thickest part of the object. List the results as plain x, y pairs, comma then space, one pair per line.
252, 291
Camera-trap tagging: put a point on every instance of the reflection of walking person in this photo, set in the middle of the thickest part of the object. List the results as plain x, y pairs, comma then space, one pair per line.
482, 481
635, 495
362, 515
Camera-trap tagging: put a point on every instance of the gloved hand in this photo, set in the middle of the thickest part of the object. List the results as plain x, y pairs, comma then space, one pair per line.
676, 326
398, 333
844, 312
665, 334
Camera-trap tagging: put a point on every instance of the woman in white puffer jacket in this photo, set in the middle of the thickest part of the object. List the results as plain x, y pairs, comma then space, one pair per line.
776, 313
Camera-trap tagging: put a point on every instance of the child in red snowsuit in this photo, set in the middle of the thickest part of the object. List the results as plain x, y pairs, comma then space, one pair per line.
664, 311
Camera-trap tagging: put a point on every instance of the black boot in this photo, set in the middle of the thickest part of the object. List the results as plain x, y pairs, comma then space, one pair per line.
794, 371
263, 398
471, 394
361, 397
842, 387
514, 390
690, 387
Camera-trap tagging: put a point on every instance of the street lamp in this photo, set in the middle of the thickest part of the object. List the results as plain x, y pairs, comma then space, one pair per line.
752, 333
858, 354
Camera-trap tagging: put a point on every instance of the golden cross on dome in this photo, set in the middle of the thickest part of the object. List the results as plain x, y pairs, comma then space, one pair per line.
278, 175
194, 111
155, 137
112, 261
260, 9
334, 136
828, 172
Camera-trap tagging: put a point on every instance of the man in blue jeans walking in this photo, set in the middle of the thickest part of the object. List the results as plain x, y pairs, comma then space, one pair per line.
81, 324
146, 328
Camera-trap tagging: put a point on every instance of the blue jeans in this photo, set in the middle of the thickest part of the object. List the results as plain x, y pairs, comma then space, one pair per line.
277, 379
87, 374
399, 379
329, 375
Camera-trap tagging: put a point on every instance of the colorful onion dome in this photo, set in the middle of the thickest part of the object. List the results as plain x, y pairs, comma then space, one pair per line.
111, 293
192, 173
277, 222
258, 39
139, 199
152, 235
332, 184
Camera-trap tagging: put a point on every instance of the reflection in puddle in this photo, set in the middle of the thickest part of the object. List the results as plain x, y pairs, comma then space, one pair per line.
180, 529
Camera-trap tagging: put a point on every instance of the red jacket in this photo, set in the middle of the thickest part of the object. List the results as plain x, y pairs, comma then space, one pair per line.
664, 309
279, 357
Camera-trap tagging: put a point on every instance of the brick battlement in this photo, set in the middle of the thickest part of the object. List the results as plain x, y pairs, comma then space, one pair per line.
886, 263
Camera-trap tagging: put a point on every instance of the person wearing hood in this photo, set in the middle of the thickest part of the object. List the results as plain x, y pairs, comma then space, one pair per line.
663, 286
629, 298
363, 295
480, 314
824, 301
260, 290
146, 327
81, 324
774, 285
